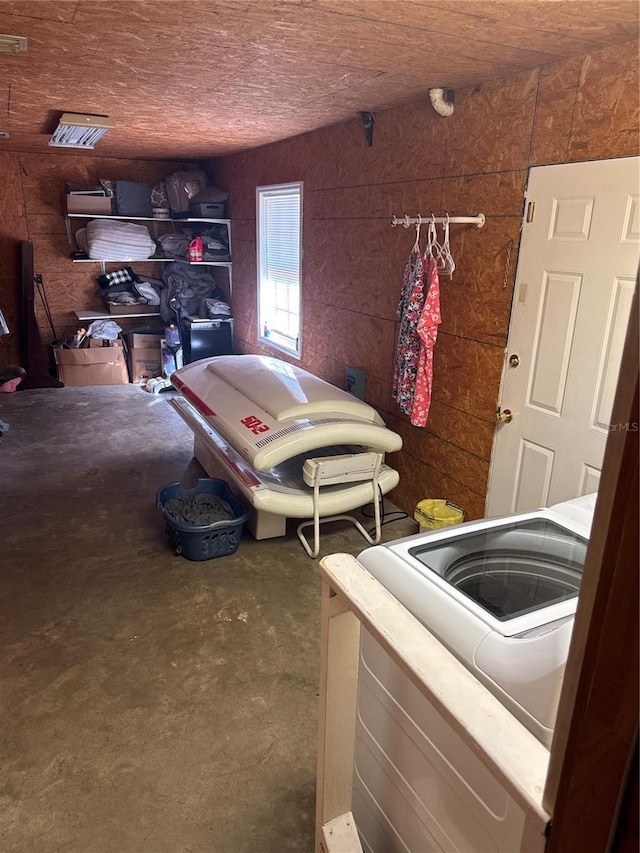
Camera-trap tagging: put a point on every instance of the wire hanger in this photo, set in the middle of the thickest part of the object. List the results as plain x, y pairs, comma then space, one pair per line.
416, 245
435, 247
432, 238
444, 258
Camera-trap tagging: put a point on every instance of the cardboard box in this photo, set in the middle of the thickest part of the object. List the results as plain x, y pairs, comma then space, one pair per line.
115, 308
90, 204
145, 364
145, 356
104, 342
93, 365
150, 341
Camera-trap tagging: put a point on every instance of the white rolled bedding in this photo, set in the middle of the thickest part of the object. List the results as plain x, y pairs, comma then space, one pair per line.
118, 241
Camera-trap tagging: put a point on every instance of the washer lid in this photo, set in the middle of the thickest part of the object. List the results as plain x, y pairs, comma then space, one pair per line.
579, 510
512, 569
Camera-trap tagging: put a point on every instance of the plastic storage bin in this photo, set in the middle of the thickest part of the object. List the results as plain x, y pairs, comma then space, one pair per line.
207, 210
433, 514
203, 542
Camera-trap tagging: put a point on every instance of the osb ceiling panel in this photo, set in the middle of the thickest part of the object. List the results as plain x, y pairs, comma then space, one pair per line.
194, 79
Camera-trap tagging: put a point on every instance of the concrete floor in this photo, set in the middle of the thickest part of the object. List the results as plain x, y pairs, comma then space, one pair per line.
149, 704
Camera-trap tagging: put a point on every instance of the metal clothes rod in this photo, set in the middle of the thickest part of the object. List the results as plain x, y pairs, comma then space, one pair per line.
406, 221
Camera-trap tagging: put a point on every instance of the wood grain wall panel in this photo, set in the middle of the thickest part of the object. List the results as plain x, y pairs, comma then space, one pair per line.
323, 325
373, 201
556, 103
469, 375
490, 129
475, 303
244, 258
460, 465
350, 265
495, 194
11, 200
245, 315
376, 388
475, 161
606, 115
588, 104
406, 146
420, 481
44, 177
243, 236
243, 301
52, 223
461, 429
12, 230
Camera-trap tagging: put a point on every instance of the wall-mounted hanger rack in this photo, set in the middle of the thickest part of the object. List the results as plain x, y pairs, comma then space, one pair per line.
407, 221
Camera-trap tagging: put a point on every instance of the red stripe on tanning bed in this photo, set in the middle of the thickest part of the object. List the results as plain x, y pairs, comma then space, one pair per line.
191, 396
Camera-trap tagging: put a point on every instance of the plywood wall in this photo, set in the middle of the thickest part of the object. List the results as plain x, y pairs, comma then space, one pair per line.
477, 160
31, 208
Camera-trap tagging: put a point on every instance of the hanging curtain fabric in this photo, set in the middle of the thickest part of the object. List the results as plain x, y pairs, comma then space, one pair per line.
427, 329
409, 311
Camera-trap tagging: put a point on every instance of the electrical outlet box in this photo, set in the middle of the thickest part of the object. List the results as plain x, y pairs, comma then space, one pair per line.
355, 381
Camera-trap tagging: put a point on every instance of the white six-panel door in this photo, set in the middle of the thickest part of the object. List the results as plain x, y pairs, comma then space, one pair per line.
576, 275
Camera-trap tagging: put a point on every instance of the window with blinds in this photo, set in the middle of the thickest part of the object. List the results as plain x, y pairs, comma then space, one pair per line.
279, 226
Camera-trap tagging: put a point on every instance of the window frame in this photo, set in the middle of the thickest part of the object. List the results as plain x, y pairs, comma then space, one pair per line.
262, 194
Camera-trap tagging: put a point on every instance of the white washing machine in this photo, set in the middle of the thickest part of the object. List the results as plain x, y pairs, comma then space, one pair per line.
500, 594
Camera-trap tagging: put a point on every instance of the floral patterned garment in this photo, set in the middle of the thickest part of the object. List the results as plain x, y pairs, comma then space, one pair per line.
408, 349
428, 332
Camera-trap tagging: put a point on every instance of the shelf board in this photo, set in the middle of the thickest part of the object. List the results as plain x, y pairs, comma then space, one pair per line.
152, 261
144, 218
100, 315
122, 261
210, 264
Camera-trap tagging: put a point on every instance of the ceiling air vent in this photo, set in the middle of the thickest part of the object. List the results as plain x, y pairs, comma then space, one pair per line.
78, 130
12, 44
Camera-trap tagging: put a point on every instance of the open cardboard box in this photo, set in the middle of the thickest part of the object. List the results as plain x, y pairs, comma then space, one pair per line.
88, 204
93, 365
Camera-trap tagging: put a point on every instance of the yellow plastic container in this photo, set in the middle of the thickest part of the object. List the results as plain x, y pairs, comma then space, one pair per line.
432, 514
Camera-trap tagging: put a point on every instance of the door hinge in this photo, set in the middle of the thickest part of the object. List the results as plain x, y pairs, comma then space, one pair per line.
531, 207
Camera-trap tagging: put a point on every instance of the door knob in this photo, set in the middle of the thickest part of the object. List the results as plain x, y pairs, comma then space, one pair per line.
504, 417
514, 360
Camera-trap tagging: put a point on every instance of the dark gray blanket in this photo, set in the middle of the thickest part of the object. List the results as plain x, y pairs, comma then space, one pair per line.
133, 198
186, 288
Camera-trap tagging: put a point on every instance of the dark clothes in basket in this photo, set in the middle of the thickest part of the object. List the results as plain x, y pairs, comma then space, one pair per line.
200, 509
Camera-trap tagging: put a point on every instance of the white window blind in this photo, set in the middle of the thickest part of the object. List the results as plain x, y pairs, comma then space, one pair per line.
279, 211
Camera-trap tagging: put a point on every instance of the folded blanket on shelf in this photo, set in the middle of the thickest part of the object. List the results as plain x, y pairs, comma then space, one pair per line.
108, 240
174, 245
